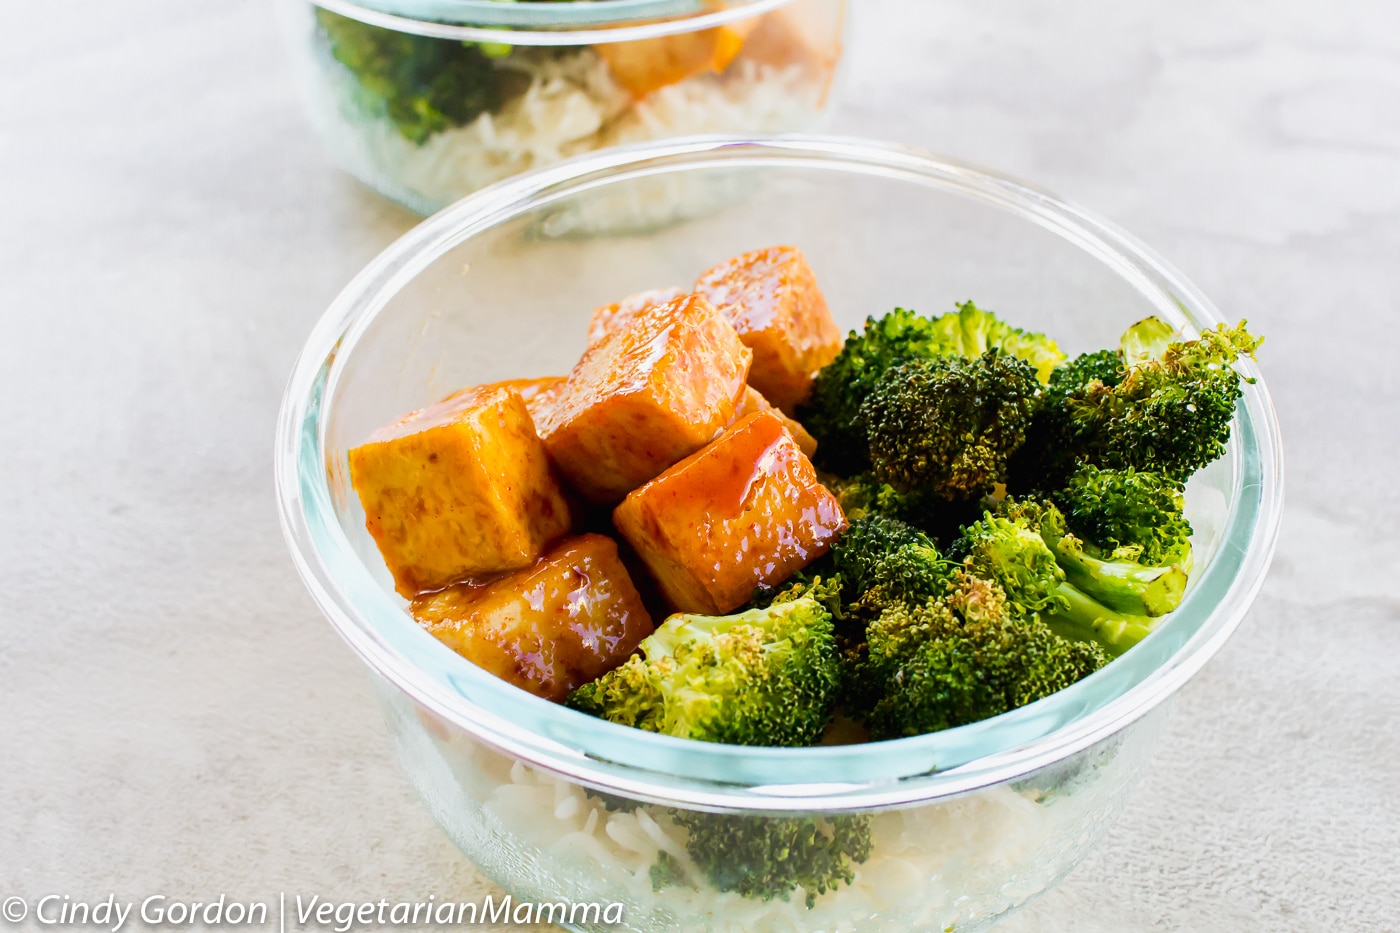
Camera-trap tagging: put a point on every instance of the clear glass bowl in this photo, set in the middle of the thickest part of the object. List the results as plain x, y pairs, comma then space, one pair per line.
429, 100
968, 823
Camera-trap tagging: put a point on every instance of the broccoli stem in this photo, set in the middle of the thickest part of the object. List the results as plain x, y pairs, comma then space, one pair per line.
1084, 618
1125, 586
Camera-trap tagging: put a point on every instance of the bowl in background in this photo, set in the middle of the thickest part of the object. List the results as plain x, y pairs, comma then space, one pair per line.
967, 824
429, 100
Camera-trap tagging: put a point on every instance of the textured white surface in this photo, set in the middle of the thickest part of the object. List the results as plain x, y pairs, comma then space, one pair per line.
178, 719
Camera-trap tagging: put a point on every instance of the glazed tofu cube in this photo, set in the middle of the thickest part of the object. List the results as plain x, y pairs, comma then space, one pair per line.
772, 299
753, 401
745, 512
617, 316
645, 65
646, 396
538, 393
569, 619
460, 488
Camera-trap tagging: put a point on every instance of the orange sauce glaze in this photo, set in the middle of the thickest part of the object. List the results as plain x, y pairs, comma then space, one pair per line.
616, 316
745, 512
772, 299
550, 628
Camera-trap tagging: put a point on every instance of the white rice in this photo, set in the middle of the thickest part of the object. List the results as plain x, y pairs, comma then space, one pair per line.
572, 105
914, 850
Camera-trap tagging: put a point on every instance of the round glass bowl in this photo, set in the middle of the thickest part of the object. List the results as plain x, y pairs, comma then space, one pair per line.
964, 825
429, 100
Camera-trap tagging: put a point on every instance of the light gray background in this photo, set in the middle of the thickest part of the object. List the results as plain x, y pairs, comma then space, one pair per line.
177, 717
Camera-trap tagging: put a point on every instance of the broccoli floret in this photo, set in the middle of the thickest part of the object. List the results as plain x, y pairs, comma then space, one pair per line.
970, 332
1169, 415
948, 426
1153, 405
883, 560
424, 85
1113, 600
830, 411
1105, 366
771, 856
667, 870
1127, 514
762, 677
902, 336
1046, 459
1010, 549
962, 658
862, 494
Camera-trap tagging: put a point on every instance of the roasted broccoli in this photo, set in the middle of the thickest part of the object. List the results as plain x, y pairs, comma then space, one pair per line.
970, 332
948, 426
1170, 415
1165, 407
762, 677
1112, 600
830, 413
883, 560
902, 336
1010, 549
770, 856
961, 658
424, 85
1127, 514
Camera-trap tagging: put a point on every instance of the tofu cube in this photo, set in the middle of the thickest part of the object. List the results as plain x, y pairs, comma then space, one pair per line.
569, 619
538, 393
617, 316
753, 401
645, 396
772, 299
645, 65
460, 488
745, 512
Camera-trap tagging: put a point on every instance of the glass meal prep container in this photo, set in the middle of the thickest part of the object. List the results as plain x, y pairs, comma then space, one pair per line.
955, 828
429, 100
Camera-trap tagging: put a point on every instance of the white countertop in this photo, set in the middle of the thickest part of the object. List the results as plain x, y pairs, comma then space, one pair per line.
177, 717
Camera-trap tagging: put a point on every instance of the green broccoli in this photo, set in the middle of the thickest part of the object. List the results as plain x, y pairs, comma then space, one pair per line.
762, 677
948, 426
1046, 459
1010, 549
970, 332
1169, 415
1127, 514
961, 658
843, 384
902, 336
883, 560
1155, 404
771, 856
424, 85
1113, 601
1083, 618
667, 870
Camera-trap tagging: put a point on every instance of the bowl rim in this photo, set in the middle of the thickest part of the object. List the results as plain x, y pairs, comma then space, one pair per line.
667, 770
548, 22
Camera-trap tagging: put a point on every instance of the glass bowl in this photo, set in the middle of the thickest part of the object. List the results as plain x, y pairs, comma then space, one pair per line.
428, 100
966, 824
